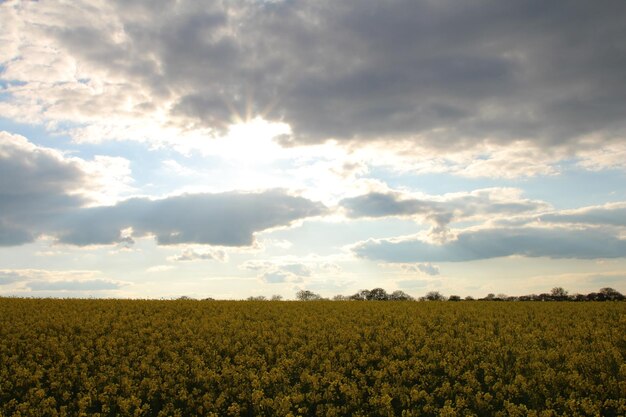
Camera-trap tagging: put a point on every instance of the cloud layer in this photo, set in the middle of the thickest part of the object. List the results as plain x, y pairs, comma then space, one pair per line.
436, 74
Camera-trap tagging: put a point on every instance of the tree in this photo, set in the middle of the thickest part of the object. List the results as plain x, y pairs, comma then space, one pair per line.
454, 298
378, 294
400, 295
611, 294
558, 293
277, 297
306, 295
434, 296
362, 295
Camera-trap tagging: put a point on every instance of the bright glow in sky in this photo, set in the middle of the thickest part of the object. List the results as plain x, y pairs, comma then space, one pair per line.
240, 148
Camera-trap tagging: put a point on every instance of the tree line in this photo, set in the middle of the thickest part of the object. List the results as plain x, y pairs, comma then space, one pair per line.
380, 294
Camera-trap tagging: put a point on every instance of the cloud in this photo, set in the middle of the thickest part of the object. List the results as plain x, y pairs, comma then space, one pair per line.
490, 201
297, 269
37, 183
47, 280
273, 272
440, 211
434, 75
224, 219
207, 255
584, 243
612, 214
427, 268
9, 277
279, 277
415, 284
44, 192
160, 268
89, 285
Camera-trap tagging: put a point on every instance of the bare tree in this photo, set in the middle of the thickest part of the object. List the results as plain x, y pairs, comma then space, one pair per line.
306, 295
558, 293
611, 294
400, 295
434, 296
378, 294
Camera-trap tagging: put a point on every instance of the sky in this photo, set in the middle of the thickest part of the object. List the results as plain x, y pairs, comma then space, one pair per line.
228, 149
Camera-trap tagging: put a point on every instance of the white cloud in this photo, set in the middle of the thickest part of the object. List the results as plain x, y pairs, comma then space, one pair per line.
9, 277
160, 268
191, 254
39, 280
425, 268
274, 272
279, 277
89, 285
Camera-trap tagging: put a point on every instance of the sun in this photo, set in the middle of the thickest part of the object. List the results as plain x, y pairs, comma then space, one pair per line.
252, 142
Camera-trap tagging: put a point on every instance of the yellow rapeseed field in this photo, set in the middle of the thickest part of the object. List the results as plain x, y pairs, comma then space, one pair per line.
320, 358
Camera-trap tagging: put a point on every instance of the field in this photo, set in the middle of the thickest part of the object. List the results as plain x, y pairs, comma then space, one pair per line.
185, 357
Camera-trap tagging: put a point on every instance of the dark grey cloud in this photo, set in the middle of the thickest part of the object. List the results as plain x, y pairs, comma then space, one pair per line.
226, 219
377, 204
35, 184
455, 73
498, 242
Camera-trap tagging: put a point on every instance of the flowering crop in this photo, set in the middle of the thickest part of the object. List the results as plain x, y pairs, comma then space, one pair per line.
186, 357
